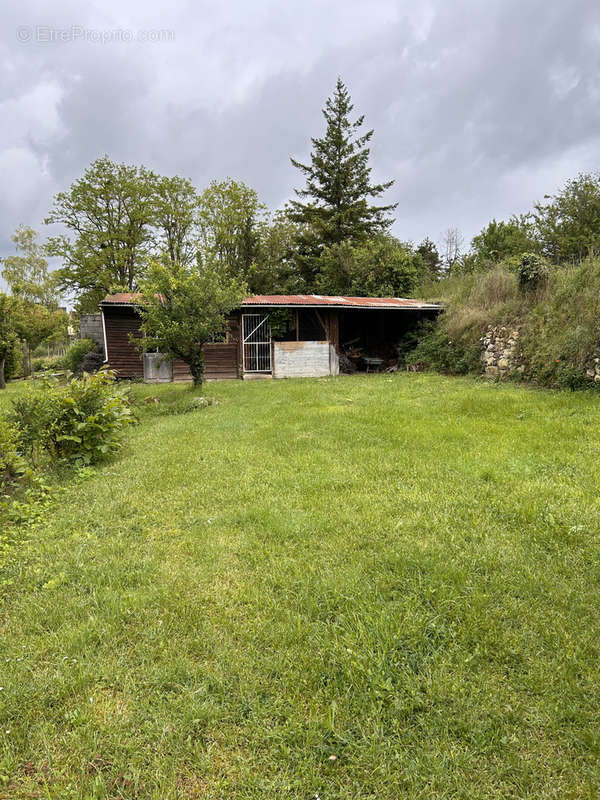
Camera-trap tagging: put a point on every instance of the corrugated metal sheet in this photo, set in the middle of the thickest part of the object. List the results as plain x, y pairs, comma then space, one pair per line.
306, 300
121, 298
318, 300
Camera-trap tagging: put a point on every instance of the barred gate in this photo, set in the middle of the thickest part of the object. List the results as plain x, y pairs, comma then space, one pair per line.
256, 340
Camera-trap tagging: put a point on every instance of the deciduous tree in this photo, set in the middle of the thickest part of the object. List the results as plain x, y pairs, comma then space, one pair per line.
8, 333
500, 240
174, 210
26, 273
381, 266
568, 226
184, 307
229, 220
108, 216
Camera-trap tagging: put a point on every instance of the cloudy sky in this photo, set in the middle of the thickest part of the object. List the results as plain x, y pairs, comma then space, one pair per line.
480, 107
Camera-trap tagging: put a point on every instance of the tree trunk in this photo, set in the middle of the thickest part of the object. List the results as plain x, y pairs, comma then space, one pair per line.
25, 355
2, 380
197, 368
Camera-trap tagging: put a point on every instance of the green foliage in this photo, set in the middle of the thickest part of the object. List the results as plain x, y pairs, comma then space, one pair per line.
437, 351
560, 336
558, 322
47, 363
274, 270
533, 271
77, 421
335, 208
13, 364
183, 308
12, 465
431, 263
280, 320
8, 332
35, 323
75, 355
174, 205
503, 240
568, 226
380, 266
107, 214
229, 222
93, 360
26, 274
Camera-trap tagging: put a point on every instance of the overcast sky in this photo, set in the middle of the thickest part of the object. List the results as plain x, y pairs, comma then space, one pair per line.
480, 107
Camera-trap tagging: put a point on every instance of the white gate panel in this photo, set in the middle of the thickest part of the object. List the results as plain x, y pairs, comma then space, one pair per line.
256, 342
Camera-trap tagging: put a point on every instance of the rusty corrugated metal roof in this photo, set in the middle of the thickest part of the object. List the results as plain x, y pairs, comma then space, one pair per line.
335, 301
311, 300
121, 298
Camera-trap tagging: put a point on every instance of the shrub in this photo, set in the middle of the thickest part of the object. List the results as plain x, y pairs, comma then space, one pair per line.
77, 421
93, 360
47, 364
436, 350
13, 367
73, 358
533, 271
12, 465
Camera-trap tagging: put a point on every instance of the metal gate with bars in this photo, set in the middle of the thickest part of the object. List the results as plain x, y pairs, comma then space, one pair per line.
256, 339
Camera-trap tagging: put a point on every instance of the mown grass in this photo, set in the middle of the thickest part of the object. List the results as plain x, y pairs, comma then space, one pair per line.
398, 572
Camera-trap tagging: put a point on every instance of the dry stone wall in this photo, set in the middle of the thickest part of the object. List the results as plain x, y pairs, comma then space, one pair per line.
500, 354
593, 371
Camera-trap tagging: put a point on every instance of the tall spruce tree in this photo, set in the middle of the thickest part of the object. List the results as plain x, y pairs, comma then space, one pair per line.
334, 206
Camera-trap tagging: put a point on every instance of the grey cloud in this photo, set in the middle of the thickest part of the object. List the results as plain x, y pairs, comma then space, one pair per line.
478, 108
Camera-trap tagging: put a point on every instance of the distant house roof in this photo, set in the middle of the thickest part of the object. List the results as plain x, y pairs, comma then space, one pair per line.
306, 300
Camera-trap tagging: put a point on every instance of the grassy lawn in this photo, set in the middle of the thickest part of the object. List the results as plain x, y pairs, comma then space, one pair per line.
376, 587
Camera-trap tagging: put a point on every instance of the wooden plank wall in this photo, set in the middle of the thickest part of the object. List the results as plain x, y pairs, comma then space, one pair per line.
220, 362
221, 358
121, 323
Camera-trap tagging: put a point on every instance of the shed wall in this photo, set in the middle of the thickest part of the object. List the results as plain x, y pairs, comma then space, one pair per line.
303, 359
121, 322
90, 327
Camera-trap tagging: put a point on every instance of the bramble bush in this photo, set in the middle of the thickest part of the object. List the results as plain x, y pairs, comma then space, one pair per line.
78, 421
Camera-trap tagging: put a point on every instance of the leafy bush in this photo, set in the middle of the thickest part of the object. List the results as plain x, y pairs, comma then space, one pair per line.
12, 465
436, 350
47, 364
533, 271
13, 367
73, 358
77, 421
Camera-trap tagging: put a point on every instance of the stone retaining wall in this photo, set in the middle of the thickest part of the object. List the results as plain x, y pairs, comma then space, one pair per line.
593, 372
500, 354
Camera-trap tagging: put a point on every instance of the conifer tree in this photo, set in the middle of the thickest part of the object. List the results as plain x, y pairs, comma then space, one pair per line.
334, 207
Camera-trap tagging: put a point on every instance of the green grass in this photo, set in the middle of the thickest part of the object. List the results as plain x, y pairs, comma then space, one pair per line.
399, 572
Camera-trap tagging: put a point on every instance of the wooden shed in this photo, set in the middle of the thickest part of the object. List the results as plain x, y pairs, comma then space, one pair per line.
278, 335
